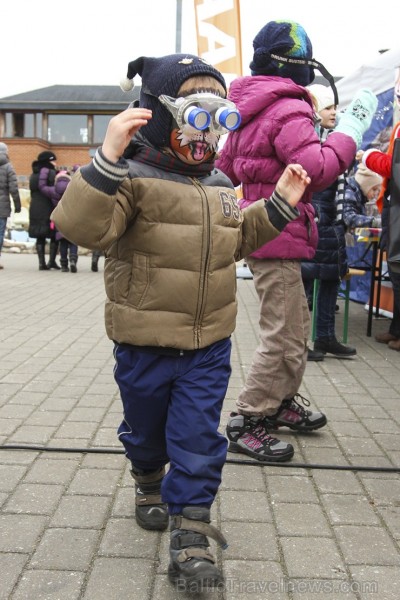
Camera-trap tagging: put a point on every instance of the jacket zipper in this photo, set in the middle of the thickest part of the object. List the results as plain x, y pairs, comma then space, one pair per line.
205, 259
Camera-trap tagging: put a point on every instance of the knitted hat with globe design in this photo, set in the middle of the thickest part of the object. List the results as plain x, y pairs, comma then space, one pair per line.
286, 39
164, 75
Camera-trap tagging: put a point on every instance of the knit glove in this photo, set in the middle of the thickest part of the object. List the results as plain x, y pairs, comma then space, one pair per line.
357, 118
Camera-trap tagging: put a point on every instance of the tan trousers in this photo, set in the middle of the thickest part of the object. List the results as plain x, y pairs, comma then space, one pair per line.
280, 359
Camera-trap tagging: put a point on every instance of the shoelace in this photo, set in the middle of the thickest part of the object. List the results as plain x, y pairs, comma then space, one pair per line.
295, 406
262, 434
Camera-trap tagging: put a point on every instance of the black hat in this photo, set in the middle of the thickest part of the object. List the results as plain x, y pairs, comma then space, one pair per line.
285, 39
46, 156
164, 75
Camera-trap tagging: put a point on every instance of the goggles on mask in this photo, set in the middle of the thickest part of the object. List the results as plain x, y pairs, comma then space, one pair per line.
203, 111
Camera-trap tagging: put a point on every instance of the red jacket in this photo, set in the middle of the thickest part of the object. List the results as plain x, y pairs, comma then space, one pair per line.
381, 163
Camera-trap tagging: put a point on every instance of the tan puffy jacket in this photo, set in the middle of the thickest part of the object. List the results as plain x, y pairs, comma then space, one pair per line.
171, 243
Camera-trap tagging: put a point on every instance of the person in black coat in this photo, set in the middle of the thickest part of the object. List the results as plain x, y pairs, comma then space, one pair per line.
329, 264
40, 209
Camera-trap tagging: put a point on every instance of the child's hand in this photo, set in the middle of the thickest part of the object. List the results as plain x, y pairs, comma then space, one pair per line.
359, 155
292, 183
120, 130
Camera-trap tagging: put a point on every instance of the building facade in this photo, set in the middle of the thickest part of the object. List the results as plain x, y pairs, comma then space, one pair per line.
69, 120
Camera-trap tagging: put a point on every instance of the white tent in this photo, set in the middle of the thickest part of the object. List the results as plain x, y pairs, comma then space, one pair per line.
377, 74
380, 74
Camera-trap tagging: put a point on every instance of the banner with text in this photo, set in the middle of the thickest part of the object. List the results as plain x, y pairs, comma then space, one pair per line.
218, 35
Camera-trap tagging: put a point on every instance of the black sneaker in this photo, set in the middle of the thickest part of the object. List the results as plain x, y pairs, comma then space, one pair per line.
328, 345
249, 435
294, 416
314, 356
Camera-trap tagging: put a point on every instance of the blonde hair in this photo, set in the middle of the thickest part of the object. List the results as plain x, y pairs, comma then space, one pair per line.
202, 83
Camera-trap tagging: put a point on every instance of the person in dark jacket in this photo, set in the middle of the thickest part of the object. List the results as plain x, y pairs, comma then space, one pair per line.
8, 187
40, 209
329, 264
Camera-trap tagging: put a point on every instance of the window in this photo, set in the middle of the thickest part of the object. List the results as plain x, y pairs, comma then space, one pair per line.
67, 129
23, 125
100, 124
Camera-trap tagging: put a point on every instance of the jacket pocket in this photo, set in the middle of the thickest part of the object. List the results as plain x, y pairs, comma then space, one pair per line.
140, 280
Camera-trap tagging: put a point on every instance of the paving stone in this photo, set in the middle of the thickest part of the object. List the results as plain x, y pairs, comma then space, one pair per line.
235, 506
337, 482
11, 566
45, 418
116, 578
124, 504
34, 499
65, 549
96, 482
105, 461
237, 477
300, 519
20, 533
250, 541
8, 426
28, 434
82, 512
312, 558
377, 582
52, 470
367, 545
383, 491
391, 518
75, 430
349, 510
10, 475
49, 585
291, 488
123, 537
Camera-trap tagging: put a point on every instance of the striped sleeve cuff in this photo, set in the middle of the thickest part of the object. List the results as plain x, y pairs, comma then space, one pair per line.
279, 211
103, 174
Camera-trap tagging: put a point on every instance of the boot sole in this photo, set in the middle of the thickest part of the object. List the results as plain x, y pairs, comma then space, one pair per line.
267, 458
299, 428
324, 352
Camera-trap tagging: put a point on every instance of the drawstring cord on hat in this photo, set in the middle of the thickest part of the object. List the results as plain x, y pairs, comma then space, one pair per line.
310, 63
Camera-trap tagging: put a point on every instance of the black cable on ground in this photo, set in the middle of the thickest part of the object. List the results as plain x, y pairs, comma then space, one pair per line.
233, 461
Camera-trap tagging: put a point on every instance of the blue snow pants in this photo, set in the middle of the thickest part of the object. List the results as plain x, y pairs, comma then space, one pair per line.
172, 407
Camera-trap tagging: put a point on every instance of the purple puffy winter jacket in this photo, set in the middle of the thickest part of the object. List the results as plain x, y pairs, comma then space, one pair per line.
278, 129
54, 192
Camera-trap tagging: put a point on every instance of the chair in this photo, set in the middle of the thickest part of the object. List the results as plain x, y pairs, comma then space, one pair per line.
346, 294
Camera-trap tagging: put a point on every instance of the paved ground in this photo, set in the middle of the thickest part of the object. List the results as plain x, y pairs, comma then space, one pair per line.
67, 529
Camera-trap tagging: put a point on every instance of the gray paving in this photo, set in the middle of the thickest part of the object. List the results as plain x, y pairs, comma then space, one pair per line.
297, 532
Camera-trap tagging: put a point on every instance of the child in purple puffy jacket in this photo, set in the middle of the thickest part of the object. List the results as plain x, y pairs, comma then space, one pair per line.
277, 128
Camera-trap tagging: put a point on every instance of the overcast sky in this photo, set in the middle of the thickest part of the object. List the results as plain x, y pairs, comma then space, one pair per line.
88, 42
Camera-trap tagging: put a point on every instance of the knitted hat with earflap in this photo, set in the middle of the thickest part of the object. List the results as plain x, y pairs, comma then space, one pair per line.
164, 75
287, 39
366, 178
323, 96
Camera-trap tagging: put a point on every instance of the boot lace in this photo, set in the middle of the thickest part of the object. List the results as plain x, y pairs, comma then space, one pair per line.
261, 434
292, 404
